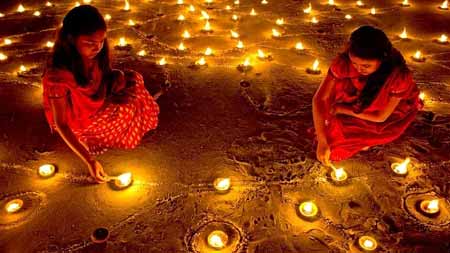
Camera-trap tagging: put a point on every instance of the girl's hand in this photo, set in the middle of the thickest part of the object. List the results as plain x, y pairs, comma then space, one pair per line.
323, 153
97, 172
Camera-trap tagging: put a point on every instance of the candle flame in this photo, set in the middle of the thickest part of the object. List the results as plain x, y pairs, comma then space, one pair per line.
422, 96
443, 38
201, 61
373, 11
108, 17
122, 42
314, 20
433, 205
404, 34
49, 44
240, 44
131, 22
20, 9
402, 167
308, 10
348, 16
181, 17
418, 55
315, 65
205, 15
191, 8
124, 179
14, 205
37, 13
234, 34
22, 69
181, 46
142, 53
207, 26
162, 62
359, 3
126, 6
7, 42
48, 4
247, 62
299, 46
261, 54
280, 21
186, 34
253, 12
208, 51
275, 33
444, 5
3, 57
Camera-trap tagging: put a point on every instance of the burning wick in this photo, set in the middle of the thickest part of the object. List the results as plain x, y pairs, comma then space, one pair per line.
46, 170
222, 184
299, 46
207, 27
240, 45
308, 10
108, 17
186, 34
314, 69
308, 209
122, 42
191, 8
236, 2
262, 55
418, 57
403, 35
208, 52
275, 33
359, 3
200, 62
2, 15
245, 66
22, 69
37, 13
131, 22
162, 62
430, 206
280, 21
443, 39
264, 2
228, 8
253, 12
124, 180
314, 20
181, 17
338, 175
401, 168
405, 3
234, 34
217, 239
126, 6
208, 1
367, 243
142, 53
181, 47
20, 9
3, 57
373, 11
48, 4
444, 5
14, 205
205, 15
348, 16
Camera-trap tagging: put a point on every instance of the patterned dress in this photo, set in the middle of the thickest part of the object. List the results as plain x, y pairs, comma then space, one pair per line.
97, 122
347, 135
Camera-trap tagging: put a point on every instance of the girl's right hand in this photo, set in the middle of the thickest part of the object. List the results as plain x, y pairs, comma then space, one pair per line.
323, 153
97, 172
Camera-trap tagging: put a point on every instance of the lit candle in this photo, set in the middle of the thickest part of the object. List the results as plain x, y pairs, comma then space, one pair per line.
348, 16
430, 206
126, 6
181, 47
181, 17
180, 2
373, 11
3, 57
401, 168
162, 61
234, 34
331, 2
207, 27
209, 1
108, 17
314, 69
20, 9
200, 62
338, 174
308, 10
261, 54
14, 205
418, 57
122, 42
443, 39
48, 4
280, 21
404, 34
7, 41
359, 3
405, 3
217, 239
275, 33
235, 17
191, 8
314, 20
22, 69
124, 180
253, 12
2, 15
264, 2
205, 15
186, 34
308, 209
299, 46
444, 5
236, 2
222, 184
46, 170
37, 13
367, 243
240, 45
142, 53
422, 96
131, 22
227, 7
208, 51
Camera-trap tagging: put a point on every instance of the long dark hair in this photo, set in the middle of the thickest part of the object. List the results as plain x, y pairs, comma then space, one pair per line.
371, 43
81, 20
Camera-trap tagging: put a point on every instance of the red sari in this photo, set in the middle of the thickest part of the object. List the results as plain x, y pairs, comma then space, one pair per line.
98, 123
347, 135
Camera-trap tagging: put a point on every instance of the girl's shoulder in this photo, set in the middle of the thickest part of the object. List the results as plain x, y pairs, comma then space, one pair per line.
400, 82
341, 67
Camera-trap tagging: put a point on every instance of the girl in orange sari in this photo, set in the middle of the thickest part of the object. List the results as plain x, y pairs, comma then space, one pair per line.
367, 98
91, 106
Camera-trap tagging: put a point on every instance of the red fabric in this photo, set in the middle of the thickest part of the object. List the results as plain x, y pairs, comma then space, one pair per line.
98, 123
348, 135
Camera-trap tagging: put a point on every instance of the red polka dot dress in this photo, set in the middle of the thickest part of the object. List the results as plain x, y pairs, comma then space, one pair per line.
97, 122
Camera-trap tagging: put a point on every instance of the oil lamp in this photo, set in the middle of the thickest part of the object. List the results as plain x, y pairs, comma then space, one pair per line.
443, 39
123, 180
245, 66
186, 34
22, 70
430, 206
308, 209
314, 69
405, 3
217, 239
200, 62
253, 12
373, 11
108, 17
20, 9
264, 56
280, 21
240, 45
276, 33
314, 20
222, 184
46, 170
208, 52
181, 17
308, 10
404, 34
401, 168
367, 243
264, 2
14, 205
207, 27
418, 57
348, 16
359, 3
7, 41
3, 57
122, 42
339, 174
299, 46
162, 61
142, 53
234, 34
444, 5
181, 47
126, 6
37, 13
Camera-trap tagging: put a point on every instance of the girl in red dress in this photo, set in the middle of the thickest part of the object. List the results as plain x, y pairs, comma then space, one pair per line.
90, 105
367, 98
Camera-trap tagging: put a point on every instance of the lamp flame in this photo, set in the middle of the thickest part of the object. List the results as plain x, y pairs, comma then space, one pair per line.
234, 34
308, 10
443, 38
201, 61
20, 9
240, 44
186, 34
404, 34
299, 46
373, 11
275, 33
126, 6
359, 3
444, 5
124, 180
280, 21
401, 168
208, 51
162, 62
122, 42
3, 57
14, 205
253, 12
181, 46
